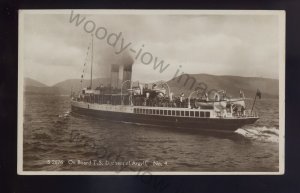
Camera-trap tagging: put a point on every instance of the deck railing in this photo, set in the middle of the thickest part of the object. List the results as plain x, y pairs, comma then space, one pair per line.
247, 113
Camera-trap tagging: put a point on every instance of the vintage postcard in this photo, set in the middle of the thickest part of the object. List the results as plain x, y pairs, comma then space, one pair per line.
151, 92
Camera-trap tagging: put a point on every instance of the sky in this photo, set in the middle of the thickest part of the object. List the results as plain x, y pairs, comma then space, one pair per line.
55, 48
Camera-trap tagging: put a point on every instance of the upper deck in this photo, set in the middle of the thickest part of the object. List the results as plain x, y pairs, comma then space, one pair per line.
161, 111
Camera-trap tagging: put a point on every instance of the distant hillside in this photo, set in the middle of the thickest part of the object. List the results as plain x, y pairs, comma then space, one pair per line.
232, 84
32, 86
65, 87
33, 90
32, 82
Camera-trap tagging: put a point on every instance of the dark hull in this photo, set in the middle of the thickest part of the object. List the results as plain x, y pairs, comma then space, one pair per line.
170, 121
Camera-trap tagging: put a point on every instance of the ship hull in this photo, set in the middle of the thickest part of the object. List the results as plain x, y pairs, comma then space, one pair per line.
216, 124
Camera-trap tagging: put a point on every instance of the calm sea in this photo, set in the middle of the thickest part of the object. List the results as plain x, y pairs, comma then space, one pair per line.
57, 140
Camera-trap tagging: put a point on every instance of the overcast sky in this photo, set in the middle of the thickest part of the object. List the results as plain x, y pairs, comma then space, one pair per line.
242, 45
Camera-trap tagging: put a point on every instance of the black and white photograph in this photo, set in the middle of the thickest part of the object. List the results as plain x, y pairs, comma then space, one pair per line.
164, 92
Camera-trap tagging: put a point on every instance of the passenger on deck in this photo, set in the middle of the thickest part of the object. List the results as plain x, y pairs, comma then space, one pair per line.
242, 95
181, 99
239, 110
243, 111
217, 97
206, 96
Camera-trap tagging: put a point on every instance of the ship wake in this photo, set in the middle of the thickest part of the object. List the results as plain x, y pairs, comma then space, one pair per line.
264, 134
65, 115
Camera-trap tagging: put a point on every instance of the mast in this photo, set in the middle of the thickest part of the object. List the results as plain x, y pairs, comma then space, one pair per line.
92, 57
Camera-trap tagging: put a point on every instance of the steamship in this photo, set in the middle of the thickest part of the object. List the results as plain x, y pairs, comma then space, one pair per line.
124, 101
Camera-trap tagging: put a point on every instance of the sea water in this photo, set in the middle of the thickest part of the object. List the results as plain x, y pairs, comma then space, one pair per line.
57, 140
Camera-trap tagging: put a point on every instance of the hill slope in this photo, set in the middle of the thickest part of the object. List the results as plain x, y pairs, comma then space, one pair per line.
182, 84
65, 87
34, 87
32, 82
232, 84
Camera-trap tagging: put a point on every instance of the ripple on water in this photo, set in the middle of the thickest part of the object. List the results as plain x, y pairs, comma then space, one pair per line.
51, 131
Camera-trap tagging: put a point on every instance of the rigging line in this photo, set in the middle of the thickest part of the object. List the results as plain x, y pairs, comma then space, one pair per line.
86, 57
92, 57
84, 67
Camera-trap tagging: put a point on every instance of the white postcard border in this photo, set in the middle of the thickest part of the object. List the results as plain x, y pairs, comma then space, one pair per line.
282, 26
